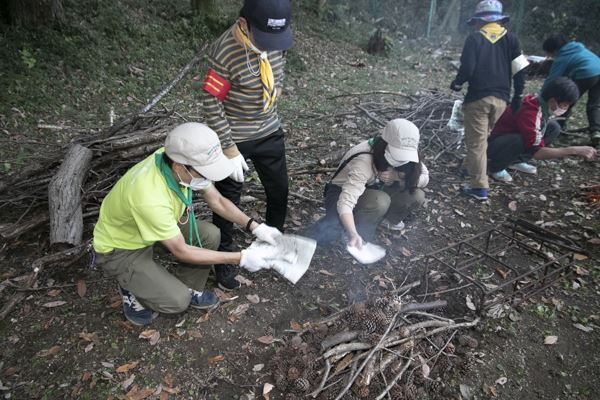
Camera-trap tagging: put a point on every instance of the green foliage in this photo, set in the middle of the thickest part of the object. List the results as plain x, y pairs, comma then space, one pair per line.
27, 57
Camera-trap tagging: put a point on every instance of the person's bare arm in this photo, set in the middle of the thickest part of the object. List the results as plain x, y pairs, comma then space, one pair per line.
348, 224
549, 153
198, 256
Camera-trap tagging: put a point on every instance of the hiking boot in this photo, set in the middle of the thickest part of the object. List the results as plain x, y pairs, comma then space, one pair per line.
477, 193
524, 167
502, 176
134, 311
226, 277
596, 139
393, 227
204, 300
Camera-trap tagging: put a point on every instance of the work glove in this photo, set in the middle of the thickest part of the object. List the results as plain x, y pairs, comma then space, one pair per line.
254, 260
239, 167
456, 87
267, 233
515, 104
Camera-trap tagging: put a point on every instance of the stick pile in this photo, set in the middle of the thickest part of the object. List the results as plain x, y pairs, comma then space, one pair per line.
387, 347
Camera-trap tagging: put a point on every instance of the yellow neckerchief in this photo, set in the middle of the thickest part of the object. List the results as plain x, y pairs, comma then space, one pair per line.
266, 72
493, 32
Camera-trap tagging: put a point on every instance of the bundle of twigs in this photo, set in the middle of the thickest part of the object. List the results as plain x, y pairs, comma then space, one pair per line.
387, 347
25, 193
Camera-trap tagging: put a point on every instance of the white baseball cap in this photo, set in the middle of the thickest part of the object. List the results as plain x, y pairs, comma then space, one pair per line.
198, 146
402, 137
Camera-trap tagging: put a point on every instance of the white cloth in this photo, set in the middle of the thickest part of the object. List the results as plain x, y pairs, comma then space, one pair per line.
267, 233
367, 254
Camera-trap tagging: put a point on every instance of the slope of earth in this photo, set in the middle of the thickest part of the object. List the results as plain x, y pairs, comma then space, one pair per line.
69, 339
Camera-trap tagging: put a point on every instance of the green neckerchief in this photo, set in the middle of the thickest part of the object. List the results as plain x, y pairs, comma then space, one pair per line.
174, 186
545, 112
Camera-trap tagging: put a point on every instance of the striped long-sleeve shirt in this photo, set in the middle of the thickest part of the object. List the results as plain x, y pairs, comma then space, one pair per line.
240, 116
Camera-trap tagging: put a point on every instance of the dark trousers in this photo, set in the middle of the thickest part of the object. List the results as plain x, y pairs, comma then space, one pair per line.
268, 157
504, 150
592, 87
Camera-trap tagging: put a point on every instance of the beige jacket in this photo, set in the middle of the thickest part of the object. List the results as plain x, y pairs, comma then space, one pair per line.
360, 173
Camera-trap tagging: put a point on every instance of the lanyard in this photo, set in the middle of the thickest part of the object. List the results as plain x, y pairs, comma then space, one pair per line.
187, 200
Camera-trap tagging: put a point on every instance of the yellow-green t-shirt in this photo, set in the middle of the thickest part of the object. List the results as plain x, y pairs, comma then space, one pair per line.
139, 211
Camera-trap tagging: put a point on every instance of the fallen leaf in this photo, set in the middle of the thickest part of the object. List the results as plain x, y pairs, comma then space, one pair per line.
253, 298
216, 359
490, 390
194, 334
89, 347
125, 325
244, 281
470, 304
580, 257
127, 367
127, 382
107, 364
594, 241
266, 339
550, 340
295, 326
344, 363
81, 288
266, 390
258, 367
503, 273
170, 390
203, 318
139, 394
512, 206
10, 371
86, 376
52, 351
238, 312
325, 272
543, 197
465, 392
88, 336
581, 271
151, 335
405, 252
425, 369
53, 304
501, 381
586, 329
54, 292
223, 297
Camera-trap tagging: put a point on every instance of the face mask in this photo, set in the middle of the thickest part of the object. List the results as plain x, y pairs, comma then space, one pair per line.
195, 184
390, 159
558, 111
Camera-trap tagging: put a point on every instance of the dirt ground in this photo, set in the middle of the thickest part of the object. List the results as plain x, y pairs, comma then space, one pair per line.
64, 343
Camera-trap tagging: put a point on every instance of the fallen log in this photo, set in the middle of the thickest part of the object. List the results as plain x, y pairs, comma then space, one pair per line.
64, 197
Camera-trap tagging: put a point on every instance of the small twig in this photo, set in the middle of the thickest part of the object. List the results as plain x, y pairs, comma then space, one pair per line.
407, 287
338, 338
56, 286
411, 98
444, 291
311, 171
323, 380
370, 115
301, 197
396, 378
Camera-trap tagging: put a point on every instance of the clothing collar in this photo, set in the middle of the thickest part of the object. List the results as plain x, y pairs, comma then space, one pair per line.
493, 32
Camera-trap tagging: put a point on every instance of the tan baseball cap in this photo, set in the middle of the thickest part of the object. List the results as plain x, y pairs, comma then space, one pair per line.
402, 137
198, 146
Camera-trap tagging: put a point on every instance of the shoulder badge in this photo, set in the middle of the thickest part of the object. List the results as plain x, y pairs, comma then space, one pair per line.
215, 85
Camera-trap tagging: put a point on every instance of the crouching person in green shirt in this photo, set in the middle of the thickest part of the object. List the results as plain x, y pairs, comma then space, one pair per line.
152, 203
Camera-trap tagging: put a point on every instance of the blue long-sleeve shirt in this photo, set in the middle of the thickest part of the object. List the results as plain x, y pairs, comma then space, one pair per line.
574, 61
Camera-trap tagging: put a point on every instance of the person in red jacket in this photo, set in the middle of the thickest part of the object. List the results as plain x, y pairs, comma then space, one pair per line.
521, 136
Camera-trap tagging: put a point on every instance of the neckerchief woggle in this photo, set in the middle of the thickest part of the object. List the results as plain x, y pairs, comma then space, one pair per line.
187, 200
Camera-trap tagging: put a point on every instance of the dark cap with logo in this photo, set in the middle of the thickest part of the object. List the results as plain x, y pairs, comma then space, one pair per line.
270, 23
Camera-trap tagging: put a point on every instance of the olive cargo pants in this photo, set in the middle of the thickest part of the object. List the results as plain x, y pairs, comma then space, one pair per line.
150, 282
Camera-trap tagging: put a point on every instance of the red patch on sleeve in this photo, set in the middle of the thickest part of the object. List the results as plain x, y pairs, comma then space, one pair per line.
215, 85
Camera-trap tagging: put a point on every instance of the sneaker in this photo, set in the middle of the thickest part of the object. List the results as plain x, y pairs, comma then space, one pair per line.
393, 227
477, 193
134, 311
226, 277
502, 176
596, 138
204, 300
524, 167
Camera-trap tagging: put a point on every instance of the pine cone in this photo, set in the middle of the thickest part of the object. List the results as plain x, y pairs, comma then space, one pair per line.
469, 362
368, 326
362, 392
410, 392
311, 374
302, 385
397, 392
450, 349
381, 303
468, 341
293, 374
430, 351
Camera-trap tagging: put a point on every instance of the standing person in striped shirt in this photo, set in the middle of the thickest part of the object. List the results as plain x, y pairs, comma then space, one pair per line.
240, 94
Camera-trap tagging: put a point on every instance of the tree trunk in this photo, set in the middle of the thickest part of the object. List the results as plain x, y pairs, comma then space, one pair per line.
64, 197
32, 13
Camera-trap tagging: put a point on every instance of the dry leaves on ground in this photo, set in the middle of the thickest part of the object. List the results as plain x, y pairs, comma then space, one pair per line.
151, 335
216, 359
238, 312
127, 367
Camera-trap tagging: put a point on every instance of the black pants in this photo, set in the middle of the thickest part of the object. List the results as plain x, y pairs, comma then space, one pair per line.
268, 157
592, 86
504, 150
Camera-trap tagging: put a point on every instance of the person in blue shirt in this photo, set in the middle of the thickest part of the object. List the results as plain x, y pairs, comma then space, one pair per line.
574, 60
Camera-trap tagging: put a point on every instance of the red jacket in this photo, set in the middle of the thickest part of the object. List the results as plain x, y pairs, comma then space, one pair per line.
528, 122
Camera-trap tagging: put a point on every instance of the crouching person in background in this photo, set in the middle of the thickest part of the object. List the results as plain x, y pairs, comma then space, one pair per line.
520, 136
152, 203
377, 180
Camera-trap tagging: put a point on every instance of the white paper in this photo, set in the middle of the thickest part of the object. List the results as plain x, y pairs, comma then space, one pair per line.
367, 254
